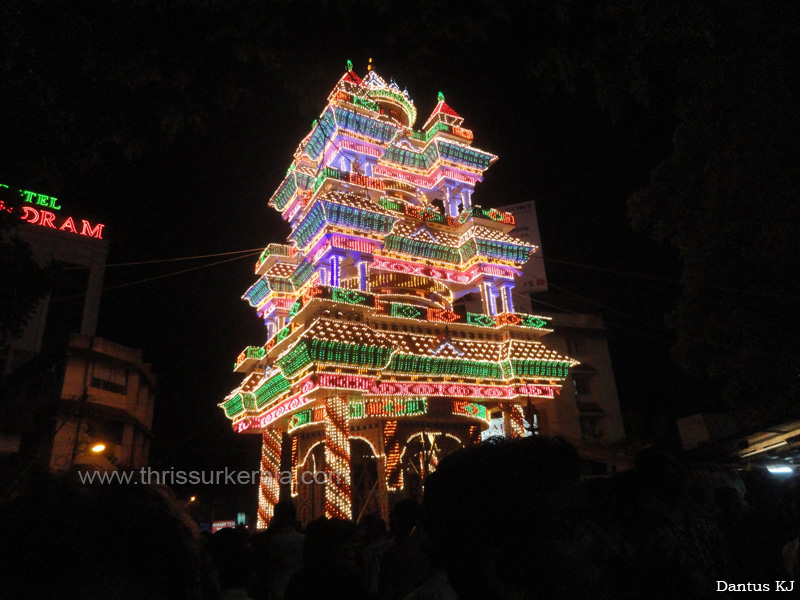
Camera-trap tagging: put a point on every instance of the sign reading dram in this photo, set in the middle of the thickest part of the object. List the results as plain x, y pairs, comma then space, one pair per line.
33, 212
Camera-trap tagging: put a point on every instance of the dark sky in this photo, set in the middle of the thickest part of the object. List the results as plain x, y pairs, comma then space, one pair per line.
205, 190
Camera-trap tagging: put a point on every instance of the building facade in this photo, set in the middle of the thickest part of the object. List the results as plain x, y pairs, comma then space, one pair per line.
374, 368
80, 248
65, 390
107, 399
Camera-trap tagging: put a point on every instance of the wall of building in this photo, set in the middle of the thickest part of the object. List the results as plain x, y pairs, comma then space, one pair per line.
48, 245
107, 396
591, 385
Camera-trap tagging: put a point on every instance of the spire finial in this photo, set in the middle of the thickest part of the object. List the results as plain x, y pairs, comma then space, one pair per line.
441, 97
349, 65
369, 65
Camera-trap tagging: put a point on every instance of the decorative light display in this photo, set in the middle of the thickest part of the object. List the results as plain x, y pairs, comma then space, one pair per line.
45, 218
234, 405
256, 352
389, 407
337, 459
17, 201
269, 487
470, 409
29, 197
394, 448
366, 336
271, 389
513, 412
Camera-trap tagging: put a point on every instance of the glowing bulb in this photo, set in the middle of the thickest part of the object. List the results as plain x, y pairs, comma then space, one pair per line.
780, 470
97, 448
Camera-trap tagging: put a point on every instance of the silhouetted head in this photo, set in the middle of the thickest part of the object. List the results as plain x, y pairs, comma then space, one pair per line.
500, 516
371, 527
326, 540
285, 514
232, 556
404, 517
90, 541
727, 500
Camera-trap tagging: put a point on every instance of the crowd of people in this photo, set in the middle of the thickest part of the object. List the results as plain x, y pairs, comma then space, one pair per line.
502, 519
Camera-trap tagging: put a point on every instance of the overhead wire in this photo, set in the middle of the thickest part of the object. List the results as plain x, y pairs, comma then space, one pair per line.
532, 298
606, 307
162, 276
657, 277
165, 260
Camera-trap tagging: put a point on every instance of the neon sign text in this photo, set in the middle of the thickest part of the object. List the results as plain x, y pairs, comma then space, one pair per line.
36, 198
45, 218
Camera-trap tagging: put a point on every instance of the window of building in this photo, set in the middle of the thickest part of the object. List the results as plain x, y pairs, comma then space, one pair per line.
576, 347
590, 428
581, 385
111, 379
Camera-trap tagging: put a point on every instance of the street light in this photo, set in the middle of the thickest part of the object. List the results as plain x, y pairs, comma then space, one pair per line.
98, 448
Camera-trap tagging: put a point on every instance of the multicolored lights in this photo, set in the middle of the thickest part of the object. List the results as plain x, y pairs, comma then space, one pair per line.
31, 208
389, 314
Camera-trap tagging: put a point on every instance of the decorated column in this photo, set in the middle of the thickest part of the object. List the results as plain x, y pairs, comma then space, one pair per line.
513, 420
269, 488
505, 289
337, 459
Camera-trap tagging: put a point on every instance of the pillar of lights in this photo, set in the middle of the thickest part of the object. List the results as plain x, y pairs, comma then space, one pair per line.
372, 351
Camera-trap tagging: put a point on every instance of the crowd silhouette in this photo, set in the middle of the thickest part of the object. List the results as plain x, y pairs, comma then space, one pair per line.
502, 519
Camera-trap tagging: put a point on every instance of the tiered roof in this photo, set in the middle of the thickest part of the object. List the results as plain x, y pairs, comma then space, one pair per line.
366, 186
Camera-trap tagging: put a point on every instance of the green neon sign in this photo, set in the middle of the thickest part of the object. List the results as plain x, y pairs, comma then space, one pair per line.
35, 198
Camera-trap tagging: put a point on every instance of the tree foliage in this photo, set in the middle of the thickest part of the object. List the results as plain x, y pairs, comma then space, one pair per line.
24, 284
727, 196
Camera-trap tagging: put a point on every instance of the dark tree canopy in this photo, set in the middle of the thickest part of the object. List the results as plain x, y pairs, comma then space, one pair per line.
727, 196
24, 283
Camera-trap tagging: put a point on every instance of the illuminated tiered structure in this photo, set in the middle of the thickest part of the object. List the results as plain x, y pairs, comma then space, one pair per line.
370, 345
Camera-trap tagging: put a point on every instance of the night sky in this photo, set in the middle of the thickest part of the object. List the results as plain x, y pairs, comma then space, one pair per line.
182, 121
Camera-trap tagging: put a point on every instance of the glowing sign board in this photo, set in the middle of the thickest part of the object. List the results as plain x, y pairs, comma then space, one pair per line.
37, 215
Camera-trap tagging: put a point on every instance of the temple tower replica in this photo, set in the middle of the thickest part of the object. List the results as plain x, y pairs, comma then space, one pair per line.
374, 367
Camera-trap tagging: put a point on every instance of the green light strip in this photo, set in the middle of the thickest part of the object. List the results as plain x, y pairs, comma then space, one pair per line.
233, 406
466, 156
533, 322
407, 311
302, 274
540, 368
410, 363
295, 360
352, 297
373, 357
257, 292
410, 247
271, 389
470, 409
480, 320
283, 333
389, 407
309, 226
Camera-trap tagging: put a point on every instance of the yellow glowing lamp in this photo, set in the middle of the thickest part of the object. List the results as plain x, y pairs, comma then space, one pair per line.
97, 448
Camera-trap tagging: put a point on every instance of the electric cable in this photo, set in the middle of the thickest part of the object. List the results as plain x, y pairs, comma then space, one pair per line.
162, 276
165, 260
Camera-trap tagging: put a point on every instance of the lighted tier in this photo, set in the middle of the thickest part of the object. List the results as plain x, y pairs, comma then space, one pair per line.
351, 343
